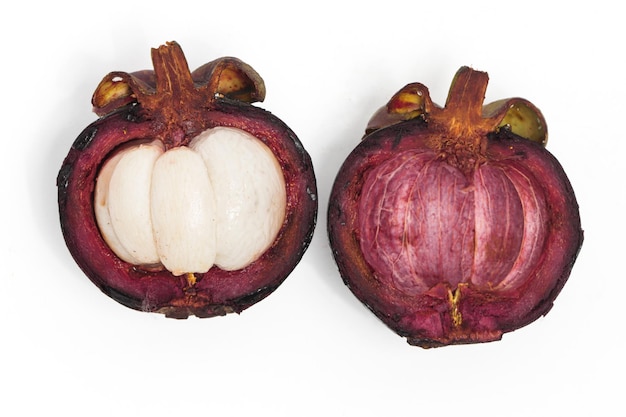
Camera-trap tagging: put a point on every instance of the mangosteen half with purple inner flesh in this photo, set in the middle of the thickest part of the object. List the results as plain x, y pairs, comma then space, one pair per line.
454, 224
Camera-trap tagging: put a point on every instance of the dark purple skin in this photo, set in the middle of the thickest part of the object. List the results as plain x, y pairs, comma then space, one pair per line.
451, 247
215, 292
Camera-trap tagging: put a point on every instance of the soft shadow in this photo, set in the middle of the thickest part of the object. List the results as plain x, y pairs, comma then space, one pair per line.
69, 112
341, 139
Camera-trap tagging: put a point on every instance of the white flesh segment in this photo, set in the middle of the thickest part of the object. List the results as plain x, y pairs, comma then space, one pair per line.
183, 212
129, 202
101, 209
249, 193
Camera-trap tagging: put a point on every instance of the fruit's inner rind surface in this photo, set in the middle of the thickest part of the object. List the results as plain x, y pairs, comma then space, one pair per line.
219, 201
423, 222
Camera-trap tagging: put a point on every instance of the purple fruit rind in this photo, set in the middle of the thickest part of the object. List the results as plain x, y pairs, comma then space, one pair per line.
216, 292
455, 309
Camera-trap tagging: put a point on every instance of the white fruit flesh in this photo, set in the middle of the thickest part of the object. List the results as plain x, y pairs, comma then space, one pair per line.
183, 212
221, 201
249, 194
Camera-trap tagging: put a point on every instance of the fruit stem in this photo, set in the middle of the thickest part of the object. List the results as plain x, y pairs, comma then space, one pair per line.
463, 131
176, 101
465, 101
171, 70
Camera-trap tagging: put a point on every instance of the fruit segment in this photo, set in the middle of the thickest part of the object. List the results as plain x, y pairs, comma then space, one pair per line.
183, 212
249, 194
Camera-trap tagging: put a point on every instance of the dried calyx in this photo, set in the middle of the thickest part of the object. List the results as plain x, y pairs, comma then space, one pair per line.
171, 86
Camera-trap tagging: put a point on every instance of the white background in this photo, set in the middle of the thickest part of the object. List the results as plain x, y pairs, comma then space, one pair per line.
310, 349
